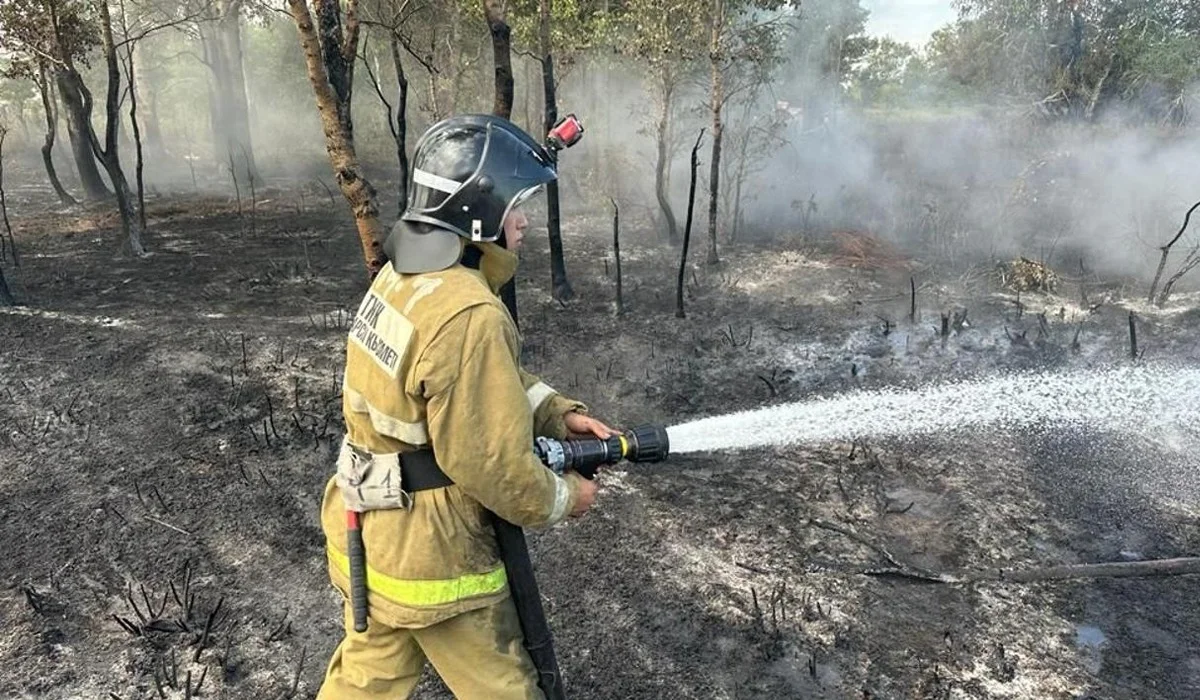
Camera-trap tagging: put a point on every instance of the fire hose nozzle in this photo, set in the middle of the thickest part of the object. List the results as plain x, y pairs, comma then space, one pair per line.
646, 443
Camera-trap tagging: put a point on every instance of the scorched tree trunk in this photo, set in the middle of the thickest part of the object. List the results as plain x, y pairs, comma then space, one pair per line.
493, 12
558, 267
79, 123
330, 62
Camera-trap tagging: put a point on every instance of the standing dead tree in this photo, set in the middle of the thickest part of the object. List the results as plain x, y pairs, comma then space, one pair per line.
617, 252
330, 55
1191, 261
1133, 344
12, 243
6, 297
140, 163
494, 14
393, 18
1166, 251
687, 228
561, 287
109, 153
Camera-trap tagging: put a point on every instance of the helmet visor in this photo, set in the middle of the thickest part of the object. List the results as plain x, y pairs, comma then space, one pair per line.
521, 198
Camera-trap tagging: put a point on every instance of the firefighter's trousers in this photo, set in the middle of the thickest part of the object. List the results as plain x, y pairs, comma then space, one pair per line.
478, 654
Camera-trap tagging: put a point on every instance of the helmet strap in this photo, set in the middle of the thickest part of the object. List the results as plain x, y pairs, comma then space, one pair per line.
471, 257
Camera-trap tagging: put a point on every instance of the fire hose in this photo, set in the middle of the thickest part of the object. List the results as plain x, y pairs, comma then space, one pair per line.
584, 456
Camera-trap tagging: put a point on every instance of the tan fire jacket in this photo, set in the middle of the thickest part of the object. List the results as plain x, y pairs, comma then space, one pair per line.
432, 361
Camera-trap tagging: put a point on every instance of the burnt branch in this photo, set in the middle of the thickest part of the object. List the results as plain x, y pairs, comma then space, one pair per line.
208, 626
1133, 344
617, 252
912, 307
283, 629
128, 625
895, 564
1146, 568
299, 669
1166, 250
687, 229
237, 189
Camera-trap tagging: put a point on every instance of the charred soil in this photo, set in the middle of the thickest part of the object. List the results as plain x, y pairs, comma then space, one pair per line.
167, 425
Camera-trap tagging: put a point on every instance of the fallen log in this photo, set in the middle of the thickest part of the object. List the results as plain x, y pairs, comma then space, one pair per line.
1178, 566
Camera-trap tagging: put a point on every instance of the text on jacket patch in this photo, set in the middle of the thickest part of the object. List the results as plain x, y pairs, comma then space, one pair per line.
382, 332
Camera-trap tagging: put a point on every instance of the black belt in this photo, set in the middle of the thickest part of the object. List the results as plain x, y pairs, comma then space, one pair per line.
419, 471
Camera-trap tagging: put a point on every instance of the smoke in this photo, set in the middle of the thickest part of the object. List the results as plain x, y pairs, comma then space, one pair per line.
975, 182
979, 184
941, 178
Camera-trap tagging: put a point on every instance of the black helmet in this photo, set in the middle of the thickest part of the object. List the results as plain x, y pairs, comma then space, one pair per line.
468, 172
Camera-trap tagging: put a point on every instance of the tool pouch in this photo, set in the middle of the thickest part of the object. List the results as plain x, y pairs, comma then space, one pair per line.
370, 481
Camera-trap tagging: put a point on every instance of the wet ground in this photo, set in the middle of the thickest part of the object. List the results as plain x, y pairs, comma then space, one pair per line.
166, 427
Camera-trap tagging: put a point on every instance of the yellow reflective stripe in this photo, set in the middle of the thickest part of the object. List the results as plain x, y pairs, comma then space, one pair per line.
425, 591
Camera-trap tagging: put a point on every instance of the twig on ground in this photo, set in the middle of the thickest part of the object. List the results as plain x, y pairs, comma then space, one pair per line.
156, 521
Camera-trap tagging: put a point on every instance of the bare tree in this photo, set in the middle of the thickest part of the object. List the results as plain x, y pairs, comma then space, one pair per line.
330, 57
50, 108
558, 267
494, 13
1162, 262
130, 74
6, 297
392, 18
687, 228
109, 153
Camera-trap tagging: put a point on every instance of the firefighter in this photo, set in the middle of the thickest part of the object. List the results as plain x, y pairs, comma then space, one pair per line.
440, 420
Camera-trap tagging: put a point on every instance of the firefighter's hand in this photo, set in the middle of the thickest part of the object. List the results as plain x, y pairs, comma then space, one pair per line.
586, 425
587, 496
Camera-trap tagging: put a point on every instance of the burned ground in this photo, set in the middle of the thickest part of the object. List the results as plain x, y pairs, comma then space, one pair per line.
167, 427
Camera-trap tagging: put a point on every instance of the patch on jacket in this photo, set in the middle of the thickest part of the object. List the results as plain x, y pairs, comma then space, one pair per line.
382, 331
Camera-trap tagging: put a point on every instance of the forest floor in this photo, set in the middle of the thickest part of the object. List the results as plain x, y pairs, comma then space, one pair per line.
167, 425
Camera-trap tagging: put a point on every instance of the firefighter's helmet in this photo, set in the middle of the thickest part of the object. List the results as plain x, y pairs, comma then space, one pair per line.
468, 172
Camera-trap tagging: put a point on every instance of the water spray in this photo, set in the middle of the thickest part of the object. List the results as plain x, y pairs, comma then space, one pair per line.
1135, 400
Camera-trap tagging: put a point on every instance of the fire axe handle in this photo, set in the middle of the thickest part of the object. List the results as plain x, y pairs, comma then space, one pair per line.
357, 554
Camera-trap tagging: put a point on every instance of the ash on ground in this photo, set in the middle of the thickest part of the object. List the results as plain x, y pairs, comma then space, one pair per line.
168, 426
